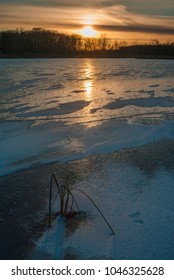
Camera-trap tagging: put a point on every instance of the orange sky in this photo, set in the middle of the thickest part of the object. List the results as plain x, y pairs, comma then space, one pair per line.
119, 19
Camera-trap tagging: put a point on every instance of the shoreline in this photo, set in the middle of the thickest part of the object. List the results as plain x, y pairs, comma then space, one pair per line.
88, 55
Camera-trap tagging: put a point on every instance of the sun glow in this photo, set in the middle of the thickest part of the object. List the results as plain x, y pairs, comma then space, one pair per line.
88, 31
89, 19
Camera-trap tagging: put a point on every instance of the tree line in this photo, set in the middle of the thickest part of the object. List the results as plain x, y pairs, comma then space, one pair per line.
43, 42
40, 40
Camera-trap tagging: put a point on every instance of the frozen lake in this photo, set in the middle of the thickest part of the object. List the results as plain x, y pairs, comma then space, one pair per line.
60, 109
87, 91
107, 122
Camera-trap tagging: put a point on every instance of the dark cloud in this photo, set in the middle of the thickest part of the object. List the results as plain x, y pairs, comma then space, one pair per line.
52, 3
136, 28
147, 7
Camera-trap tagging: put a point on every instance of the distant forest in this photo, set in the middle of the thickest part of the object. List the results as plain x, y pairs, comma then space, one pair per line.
40, 42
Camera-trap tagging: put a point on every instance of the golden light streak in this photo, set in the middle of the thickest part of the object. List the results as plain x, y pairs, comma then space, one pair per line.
88, 90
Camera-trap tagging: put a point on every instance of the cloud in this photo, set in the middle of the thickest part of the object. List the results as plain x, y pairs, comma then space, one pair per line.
120, 18
107, 16
63, 17
136, 28
148, 7
156, 7
53, 3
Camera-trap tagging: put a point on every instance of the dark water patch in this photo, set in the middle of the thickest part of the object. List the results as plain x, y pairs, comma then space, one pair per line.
141, 102
78, 91
154, 86
64, 108
71, 107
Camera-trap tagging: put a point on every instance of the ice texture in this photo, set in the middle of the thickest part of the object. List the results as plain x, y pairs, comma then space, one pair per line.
104, 105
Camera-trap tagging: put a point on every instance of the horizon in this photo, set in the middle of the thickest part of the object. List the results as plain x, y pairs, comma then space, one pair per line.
120, 20
87, 36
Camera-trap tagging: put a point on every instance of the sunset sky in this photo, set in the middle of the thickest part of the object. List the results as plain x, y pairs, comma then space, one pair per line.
119, 19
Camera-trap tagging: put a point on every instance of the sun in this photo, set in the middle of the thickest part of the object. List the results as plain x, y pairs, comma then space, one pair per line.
88, 31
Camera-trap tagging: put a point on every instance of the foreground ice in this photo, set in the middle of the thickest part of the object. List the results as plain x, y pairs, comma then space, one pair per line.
136, 198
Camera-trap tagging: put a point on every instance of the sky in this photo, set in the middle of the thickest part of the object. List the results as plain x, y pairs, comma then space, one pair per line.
118, 19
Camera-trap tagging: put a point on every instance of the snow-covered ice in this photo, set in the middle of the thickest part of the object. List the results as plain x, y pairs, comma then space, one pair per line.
137, 203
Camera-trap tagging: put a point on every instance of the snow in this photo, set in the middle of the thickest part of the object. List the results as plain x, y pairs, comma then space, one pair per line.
141, 214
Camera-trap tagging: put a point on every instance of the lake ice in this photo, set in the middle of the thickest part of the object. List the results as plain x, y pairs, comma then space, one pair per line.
44, 100
62, 110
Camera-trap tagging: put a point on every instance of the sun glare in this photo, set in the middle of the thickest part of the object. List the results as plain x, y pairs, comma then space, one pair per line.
88, 31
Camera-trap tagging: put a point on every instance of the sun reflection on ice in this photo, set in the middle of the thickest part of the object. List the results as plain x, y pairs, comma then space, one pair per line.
88, 117
85, 115
88, 82
88, 90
